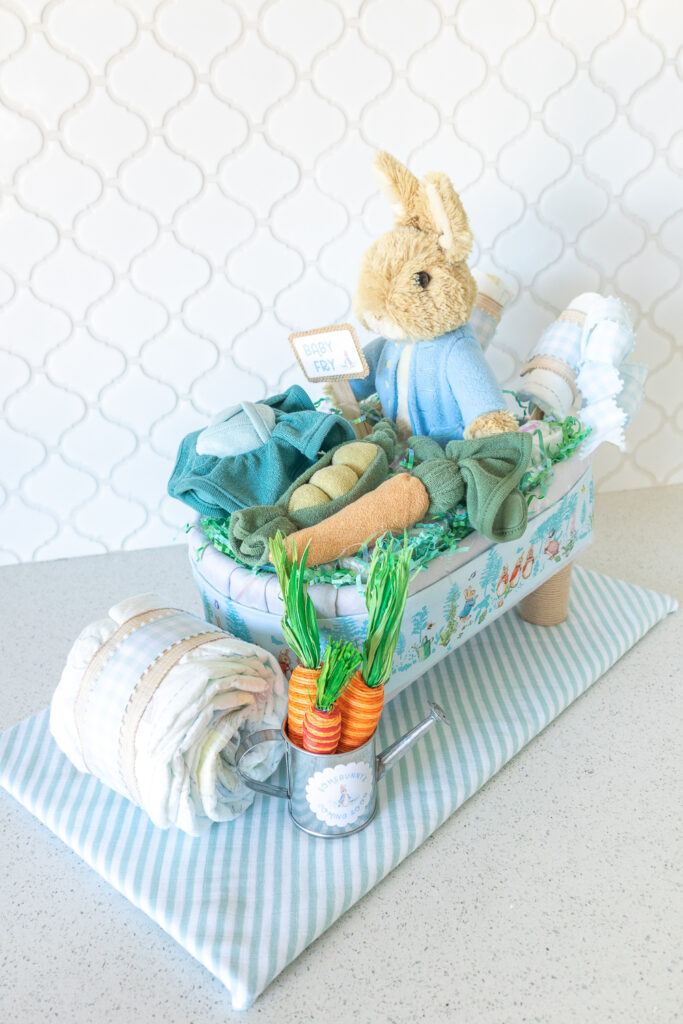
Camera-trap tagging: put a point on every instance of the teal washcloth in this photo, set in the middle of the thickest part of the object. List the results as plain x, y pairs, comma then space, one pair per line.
216, 486
485, 473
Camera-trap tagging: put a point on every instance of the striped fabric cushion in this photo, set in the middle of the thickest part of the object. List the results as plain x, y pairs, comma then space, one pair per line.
234, 897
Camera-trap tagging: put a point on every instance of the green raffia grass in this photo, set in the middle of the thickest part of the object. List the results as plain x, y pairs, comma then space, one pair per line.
425, 540
385, 599
340, 661
299, 621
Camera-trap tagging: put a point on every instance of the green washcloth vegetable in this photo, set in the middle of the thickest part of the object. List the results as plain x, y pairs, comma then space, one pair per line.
484, 473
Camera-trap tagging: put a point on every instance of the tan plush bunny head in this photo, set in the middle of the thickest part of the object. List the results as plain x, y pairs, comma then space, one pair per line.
414, 283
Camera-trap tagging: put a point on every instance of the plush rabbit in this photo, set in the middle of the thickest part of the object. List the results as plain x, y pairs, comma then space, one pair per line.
416, 290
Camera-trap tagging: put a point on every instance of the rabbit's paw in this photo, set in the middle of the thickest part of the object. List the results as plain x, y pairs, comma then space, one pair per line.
500, 422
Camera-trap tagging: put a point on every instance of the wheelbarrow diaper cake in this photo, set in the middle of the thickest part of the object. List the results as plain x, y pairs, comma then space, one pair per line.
491, 491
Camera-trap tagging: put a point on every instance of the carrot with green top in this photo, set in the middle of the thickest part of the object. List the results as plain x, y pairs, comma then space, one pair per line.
386, 593
323, 721
300, 631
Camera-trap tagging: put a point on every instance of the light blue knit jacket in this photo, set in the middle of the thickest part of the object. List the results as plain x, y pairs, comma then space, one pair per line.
451, 384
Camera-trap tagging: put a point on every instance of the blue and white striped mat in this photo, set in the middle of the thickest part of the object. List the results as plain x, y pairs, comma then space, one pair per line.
234, 898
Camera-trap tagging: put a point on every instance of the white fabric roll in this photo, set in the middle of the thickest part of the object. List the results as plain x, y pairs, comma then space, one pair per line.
154, 702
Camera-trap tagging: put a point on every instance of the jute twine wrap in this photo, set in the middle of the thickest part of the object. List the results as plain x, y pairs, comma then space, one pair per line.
549, 605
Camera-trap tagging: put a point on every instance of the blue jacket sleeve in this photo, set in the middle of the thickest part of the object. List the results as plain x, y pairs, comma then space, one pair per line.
471, 379
363, 387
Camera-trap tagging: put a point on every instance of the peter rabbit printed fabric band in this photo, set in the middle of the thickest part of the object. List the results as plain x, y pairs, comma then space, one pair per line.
488, 305
110, 692
562, 370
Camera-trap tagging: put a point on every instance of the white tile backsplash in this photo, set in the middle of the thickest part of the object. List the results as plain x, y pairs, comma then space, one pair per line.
184, 182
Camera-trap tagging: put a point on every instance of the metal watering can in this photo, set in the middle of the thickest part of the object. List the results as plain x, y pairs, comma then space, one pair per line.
333, 795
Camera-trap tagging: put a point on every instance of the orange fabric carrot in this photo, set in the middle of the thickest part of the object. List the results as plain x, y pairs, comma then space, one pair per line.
323, 721
394, 506
386, 593
361, 708
302, 687
322, 730
300, 630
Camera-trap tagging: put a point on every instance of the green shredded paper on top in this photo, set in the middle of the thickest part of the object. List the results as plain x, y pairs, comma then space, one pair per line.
425, 541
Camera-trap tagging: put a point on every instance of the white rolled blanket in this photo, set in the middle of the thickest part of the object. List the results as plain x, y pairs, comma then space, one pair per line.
155, 701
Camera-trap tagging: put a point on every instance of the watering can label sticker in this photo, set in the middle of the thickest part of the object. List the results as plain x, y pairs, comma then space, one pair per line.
341, 795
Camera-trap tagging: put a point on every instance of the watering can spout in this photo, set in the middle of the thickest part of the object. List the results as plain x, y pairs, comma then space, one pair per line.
389, 757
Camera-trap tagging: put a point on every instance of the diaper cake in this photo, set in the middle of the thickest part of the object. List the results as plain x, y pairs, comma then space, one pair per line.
485, 496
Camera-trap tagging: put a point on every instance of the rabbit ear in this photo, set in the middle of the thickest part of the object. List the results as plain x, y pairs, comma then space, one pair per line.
401, 188
447, 216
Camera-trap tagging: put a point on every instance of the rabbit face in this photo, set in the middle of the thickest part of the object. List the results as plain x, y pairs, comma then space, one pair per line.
414, 283
407, 290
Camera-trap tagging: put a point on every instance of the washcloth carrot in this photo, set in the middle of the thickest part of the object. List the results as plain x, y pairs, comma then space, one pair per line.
394, 506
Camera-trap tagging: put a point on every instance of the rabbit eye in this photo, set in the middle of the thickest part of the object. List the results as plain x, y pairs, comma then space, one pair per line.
422, 278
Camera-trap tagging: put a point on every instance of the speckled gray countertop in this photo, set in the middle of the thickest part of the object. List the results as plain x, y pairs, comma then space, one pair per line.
554, 895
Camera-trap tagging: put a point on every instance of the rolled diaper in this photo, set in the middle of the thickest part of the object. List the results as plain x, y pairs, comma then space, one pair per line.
581, 359
154, 702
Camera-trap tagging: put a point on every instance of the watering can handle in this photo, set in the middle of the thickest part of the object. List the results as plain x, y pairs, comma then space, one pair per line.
264, 736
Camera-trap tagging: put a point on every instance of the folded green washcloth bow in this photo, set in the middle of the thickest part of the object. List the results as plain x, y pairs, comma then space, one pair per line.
484, 473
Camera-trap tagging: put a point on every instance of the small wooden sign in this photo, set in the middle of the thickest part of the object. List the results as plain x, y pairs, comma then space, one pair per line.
329, 353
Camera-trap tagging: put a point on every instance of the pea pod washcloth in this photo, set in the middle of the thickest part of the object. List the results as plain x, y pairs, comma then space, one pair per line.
484, 473
250, 529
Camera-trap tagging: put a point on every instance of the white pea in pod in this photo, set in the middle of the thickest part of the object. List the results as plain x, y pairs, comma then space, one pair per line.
348, 464
306, 496
356, 454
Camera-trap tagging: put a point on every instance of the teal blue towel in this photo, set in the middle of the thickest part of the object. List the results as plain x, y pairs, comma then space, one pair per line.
217, 487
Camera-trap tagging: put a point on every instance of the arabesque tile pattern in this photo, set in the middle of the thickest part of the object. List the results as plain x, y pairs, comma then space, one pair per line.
186, 181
